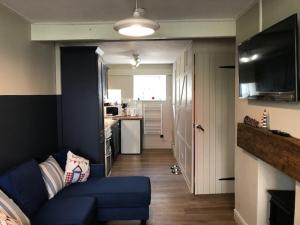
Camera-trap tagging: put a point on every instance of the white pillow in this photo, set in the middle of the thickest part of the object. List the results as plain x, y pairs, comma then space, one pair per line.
11, 210
53, 176
77, 169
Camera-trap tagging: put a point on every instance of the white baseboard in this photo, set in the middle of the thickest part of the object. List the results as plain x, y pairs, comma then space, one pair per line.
238, 218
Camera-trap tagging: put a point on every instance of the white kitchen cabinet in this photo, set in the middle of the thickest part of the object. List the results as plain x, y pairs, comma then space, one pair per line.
131, 136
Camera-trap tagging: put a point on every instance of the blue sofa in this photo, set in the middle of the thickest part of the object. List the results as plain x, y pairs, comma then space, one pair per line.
98, 199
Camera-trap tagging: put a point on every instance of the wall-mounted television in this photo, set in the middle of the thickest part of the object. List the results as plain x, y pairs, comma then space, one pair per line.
268, 63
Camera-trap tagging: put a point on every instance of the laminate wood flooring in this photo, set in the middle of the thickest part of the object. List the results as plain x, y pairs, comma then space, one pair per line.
171, 203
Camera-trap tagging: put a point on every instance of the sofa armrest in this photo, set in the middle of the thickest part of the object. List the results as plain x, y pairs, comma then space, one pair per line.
97, 170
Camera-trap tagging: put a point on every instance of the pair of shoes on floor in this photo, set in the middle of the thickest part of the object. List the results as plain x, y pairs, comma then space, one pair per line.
175, 169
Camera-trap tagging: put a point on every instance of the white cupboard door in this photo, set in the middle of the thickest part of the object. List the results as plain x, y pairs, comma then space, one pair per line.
214, 112
130, 137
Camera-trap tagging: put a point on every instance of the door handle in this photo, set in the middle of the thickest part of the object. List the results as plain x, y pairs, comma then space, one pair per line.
198, 126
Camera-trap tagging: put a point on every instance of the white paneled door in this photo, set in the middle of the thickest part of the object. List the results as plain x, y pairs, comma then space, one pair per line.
183, 105
214, 122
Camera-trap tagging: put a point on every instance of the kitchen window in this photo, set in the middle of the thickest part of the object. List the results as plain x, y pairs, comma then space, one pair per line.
115, 96
149, 87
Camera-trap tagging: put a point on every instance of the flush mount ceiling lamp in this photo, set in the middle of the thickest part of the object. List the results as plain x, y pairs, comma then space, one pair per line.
137, 25
135, 62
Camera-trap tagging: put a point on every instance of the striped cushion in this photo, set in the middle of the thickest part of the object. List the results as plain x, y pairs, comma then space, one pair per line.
53, 176
10, 208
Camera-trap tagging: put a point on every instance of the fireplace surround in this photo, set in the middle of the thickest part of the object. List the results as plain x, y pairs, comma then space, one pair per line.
282, 207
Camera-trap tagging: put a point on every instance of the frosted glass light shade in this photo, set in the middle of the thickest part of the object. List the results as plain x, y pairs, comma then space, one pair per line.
137, 25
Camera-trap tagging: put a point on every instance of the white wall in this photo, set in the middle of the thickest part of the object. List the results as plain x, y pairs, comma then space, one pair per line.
26, 67
121, 77
254, 177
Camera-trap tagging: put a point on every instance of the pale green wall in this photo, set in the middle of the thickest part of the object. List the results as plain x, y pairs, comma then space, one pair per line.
122, 82
120, 76
248, 24
276, 10
26, 67
251, 197
246, 179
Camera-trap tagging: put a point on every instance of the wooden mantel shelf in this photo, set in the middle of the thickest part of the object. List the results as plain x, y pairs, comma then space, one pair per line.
281, 152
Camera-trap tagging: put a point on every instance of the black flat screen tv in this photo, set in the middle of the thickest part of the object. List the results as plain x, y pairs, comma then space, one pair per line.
268, 63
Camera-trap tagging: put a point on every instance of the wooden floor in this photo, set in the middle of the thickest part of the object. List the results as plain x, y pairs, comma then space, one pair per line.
171, 203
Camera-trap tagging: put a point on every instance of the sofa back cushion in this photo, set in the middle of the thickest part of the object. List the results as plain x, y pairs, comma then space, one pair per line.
61, 158
77, 169
25, 185
10, 209
53, 176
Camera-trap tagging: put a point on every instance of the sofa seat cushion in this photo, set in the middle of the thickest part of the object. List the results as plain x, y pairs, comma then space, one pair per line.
68, 211
113, 192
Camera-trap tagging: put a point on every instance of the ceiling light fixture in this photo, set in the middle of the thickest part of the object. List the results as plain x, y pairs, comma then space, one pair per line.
137, 25
135, 62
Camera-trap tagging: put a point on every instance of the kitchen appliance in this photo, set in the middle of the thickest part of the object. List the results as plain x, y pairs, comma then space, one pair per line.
108, 151
268, 63
112, 110
131, 138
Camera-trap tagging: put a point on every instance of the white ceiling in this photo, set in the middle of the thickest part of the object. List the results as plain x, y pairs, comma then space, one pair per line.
150, 52
112, 10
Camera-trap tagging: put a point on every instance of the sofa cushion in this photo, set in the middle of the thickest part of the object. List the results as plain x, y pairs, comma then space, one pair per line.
77, 169
6, 219
111, 192
67, 211
25, 185
10, 208
53, 176
61, 158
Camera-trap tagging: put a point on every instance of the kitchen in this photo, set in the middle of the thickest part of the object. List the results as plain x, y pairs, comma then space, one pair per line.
138, 96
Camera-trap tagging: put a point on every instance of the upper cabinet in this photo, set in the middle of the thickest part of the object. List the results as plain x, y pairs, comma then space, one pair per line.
82, 102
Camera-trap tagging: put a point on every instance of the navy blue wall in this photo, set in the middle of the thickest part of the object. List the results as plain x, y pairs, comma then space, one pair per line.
28, 128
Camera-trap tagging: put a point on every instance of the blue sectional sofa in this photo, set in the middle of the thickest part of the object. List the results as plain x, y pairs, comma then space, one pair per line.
98, 199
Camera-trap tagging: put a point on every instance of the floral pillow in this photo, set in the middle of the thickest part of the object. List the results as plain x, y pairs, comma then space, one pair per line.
10, 213
77, 169
7, 220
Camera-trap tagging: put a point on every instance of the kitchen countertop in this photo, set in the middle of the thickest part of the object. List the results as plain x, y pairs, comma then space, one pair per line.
127, 118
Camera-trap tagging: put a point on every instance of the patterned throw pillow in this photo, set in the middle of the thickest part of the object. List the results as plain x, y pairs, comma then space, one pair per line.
53, 176
7, 220
77, 169
9, 209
